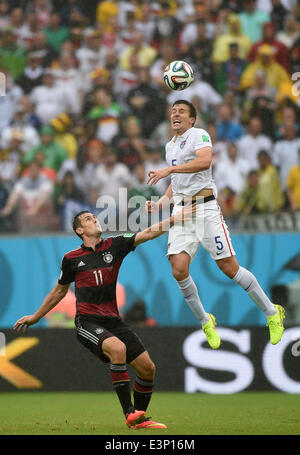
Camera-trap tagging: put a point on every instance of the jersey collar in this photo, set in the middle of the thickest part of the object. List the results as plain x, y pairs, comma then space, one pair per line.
89, 248
184, 135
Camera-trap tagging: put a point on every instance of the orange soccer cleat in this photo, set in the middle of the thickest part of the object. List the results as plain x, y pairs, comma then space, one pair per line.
134, 418
148, 423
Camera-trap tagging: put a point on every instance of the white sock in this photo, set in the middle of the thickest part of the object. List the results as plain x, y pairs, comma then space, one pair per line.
191, 296
249, 283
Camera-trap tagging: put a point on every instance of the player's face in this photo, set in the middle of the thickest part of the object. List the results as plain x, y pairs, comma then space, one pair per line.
180, 118
90, 226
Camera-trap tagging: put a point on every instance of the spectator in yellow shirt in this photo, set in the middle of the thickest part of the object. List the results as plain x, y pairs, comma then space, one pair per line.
293, 186
143, 54
270, 194
105, 11
276, 75
62, 136
234, 35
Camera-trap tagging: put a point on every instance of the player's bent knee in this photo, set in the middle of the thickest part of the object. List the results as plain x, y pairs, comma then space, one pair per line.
144, 366
180, 266
229, 266
148, 370
180, 273
151, 369
114, 349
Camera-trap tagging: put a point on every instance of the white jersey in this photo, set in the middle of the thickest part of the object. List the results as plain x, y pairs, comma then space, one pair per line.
181, 150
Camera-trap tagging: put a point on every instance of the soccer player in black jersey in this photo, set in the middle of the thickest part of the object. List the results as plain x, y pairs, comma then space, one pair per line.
94, 267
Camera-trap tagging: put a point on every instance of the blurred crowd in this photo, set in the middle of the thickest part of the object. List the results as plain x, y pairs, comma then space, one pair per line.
84, 109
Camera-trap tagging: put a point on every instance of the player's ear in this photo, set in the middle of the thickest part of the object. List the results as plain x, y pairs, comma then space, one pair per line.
79, 230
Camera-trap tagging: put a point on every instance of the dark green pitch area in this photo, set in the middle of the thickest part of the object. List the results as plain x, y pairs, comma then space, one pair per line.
76, 413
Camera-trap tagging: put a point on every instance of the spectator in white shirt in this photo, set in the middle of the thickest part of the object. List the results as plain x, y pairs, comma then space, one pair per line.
84, 167
17, 22
291, 31
219, 151
68, 77
9, 102
153, 163
50, 100
251, 143
30, 136
33, 193
10, 159
110, 185
201, 94
285, 154
109, 177
91, 55
232, 171
146, 24
230, 176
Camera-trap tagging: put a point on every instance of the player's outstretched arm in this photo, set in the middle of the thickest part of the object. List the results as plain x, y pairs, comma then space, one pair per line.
151, 206
50, 301
163, 226
200, 163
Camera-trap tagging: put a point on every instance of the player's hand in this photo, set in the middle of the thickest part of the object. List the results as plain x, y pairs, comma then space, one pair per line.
155, 176
185, 214
24, 322
151, 206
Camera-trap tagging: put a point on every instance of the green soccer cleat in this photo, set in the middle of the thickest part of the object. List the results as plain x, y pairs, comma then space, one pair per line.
211, 333
275, 324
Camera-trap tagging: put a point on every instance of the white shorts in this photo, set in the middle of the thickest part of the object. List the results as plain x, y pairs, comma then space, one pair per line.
206, 227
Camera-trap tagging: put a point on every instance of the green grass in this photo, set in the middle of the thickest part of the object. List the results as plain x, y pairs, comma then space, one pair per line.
66, 413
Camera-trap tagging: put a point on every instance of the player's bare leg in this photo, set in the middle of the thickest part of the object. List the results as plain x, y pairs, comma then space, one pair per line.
246, 279
180, 268
143, 386
115, 350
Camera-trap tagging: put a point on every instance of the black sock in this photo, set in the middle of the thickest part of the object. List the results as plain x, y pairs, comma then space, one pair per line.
142, 393
121, 382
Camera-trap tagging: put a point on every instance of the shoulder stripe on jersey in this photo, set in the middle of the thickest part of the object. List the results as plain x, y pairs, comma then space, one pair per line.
77, 253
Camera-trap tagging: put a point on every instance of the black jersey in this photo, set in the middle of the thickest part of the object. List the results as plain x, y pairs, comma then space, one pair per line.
95, 273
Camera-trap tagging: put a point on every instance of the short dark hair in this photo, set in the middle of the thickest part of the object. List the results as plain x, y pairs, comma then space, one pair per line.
76, 221
263, 153
191, 107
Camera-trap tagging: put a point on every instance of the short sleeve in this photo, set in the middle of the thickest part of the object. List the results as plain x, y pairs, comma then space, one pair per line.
202, 139
66, 275
124, 244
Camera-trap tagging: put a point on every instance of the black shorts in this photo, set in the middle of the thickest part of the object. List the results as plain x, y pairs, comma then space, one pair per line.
92, 330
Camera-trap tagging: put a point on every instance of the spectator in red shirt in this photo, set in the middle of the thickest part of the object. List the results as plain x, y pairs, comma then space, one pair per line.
281, 53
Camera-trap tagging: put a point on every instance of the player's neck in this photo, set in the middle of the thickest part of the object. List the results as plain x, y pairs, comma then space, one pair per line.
180, 133
91, 242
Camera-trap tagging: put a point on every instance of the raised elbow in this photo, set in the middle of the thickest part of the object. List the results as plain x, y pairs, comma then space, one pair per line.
205, 165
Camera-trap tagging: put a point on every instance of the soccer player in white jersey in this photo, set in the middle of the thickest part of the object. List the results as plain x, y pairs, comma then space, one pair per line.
189, 157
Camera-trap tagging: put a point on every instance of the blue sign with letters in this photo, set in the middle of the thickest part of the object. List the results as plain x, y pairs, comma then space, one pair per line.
30, 267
